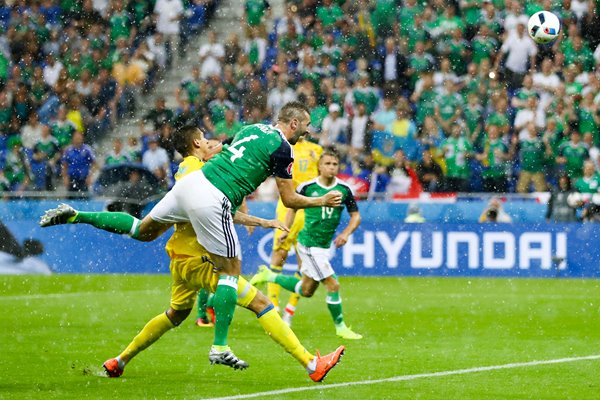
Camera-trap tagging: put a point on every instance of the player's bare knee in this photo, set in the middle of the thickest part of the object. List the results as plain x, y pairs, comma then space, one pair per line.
332, 285
308, 289
177, 316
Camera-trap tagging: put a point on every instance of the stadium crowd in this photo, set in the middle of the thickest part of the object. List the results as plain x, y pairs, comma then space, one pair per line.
70, 70
435, 96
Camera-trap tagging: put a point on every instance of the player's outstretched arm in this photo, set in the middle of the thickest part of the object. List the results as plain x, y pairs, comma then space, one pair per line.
291, 199
250, 220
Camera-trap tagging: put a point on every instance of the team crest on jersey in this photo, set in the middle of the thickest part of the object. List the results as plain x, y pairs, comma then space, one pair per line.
289, 168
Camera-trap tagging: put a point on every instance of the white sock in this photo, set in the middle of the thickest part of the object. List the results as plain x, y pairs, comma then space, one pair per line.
120, 362
312, 365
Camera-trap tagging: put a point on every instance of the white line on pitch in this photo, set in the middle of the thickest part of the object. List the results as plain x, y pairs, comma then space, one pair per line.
68, 294
402, 378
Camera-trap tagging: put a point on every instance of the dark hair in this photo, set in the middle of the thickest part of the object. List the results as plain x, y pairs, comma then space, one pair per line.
567, 180
183, 139
331, 152
291, 110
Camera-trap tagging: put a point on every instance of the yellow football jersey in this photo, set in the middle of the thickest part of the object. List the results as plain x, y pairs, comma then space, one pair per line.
183, 242
306, 161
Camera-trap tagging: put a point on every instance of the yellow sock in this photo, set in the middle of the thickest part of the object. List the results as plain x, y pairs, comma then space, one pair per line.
153, 330
273, 289
284, 336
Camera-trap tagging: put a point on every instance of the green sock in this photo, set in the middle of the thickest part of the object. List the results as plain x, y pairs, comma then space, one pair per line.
115, 222
334, 304
224, 304
201, 303
211, 300
289, 283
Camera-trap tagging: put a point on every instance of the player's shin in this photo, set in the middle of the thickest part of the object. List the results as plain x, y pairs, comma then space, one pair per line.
334, 304
224, 304
151, 332
115, 222
289, 283
277, 330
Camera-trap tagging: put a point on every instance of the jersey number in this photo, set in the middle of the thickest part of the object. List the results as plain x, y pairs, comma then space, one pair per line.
303, 164
239, 152
327, 212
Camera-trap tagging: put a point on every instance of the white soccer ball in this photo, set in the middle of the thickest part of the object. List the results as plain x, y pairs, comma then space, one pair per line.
543, 27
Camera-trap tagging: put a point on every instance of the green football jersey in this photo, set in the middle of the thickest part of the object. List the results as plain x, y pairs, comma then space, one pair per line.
257, 152
588, 185
320, 223
455, 153
575, 154
533, 157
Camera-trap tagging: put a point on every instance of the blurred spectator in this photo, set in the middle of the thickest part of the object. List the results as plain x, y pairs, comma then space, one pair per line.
159, 115
157, 161
529, 114
334, 128
414, 215
534, 152
62, 128
255, 98
133, 149
495, 212
255, 11
31, 133
46, 153
429, 172
590, 181
457, 150
403, 179
52, 70
394, 65
559, 209
494, 159
212, 55
17, 169
404, 129
217, 108
117, 155
169, 14
280, 95
359, 131
572, 154
78, 165
520, 51
228, 127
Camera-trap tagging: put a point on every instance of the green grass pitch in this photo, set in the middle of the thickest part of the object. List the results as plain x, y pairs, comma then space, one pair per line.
56, 331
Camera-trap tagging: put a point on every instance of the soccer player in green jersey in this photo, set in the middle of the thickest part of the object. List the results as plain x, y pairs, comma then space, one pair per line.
208, 199
314, 242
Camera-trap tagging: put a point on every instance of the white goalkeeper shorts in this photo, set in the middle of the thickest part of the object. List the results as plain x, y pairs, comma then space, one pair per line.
315, 262
194, 199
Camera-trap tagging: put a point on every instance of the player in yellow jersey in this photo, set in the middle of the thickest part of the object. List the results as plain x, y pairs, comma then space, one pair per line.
192, 269
306, 162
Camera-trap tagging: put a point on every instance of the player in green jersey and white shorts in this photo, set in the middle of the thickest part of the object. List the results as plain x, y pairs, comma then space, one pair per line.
208, 199
315, 239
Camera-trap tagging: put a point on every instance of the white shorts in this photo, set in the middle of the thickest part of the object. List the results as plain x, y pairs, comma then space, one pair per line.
196, 200
315, 262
